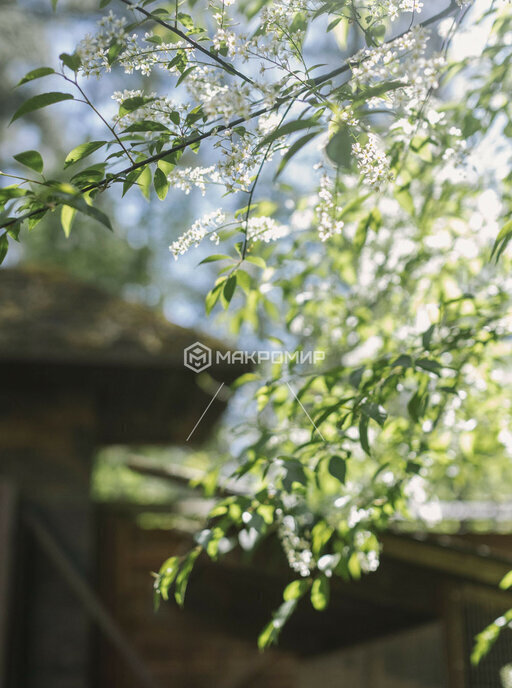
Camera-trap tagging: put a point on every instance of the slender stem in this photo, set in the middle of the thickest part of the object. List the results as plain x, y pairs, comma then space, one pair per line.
24, 179
255, 182
105, 122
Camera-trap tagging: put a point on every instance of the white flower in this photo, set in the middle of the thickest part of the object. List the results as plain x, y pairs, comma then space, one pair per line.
207, 225
327, 210
372, 162
392, 8
265, 229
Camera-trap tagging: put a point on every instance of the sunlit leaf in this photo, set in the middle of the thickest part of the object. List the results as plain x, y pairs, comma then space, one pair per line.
40, 101
82, 151
31, 159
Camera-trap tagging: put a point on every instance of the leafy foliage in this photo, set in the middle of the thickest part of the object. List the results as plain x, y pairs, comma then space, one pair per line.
373, 246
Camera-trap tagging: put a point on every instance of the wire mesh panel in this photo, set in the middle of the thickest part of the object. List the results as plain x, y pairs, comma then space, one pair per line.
494, 670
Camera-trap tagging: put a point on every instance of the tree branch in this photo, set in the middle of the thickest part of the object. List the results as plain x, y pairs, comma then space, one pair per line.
318, 81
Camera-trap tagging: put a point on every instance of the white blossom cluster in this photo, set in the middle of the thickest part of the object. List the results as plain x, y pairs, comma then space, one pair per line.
297, 548
93, 50
218, 99
282, 12
265, 229
327, 210
142, 58
188, 178
205, 226
238, 163
132, 54
367, 555
234, 169
372, 162
393, 8
457, 152
159, 109
403, 60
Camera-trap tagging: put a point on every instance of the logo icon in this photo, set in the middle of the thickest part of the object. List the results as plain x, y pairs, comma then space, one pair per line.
197, 357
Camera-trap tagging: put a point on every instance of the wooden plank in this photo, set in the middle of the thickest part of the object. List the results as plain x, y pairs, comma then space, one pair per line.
90, 601
7, 523
467, 565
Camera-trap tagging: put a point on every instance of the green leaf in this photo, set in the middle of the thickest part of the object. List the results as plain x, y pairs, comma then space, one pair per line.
78, 203
294, 473
338, 468
375, 411
11, 191
506, 581
363, 434
502, 240
72, 62
320, 536
320, 592
426, 337
36, 219
167, 574
354, 566
339, 148
256, 260
130, 180
268, 636
229, 290
296, 589
404, 197
66, 217
82, 151
214, 258
183, 577
114, 51
293, 150
132, 104
31, 159
161, 184
40, 101
430, 365
4, 245
285, 129
377, 91
270, 633
144, 182
146, 125
417, 405
213, 296
36, 74
486, 638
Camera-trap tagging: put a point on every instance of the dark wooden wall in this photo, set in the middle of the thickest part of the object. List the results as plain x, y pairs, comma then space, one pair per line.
46, 444
180, 648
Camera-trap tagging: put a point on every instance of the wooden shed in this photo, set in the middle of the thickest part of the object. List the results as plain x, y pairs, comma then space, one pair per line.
79, 369
409, 625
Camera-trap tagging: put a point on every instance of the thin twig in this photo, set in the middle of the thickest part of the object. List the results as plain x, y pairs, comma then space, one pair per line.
255, 182
98, 113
